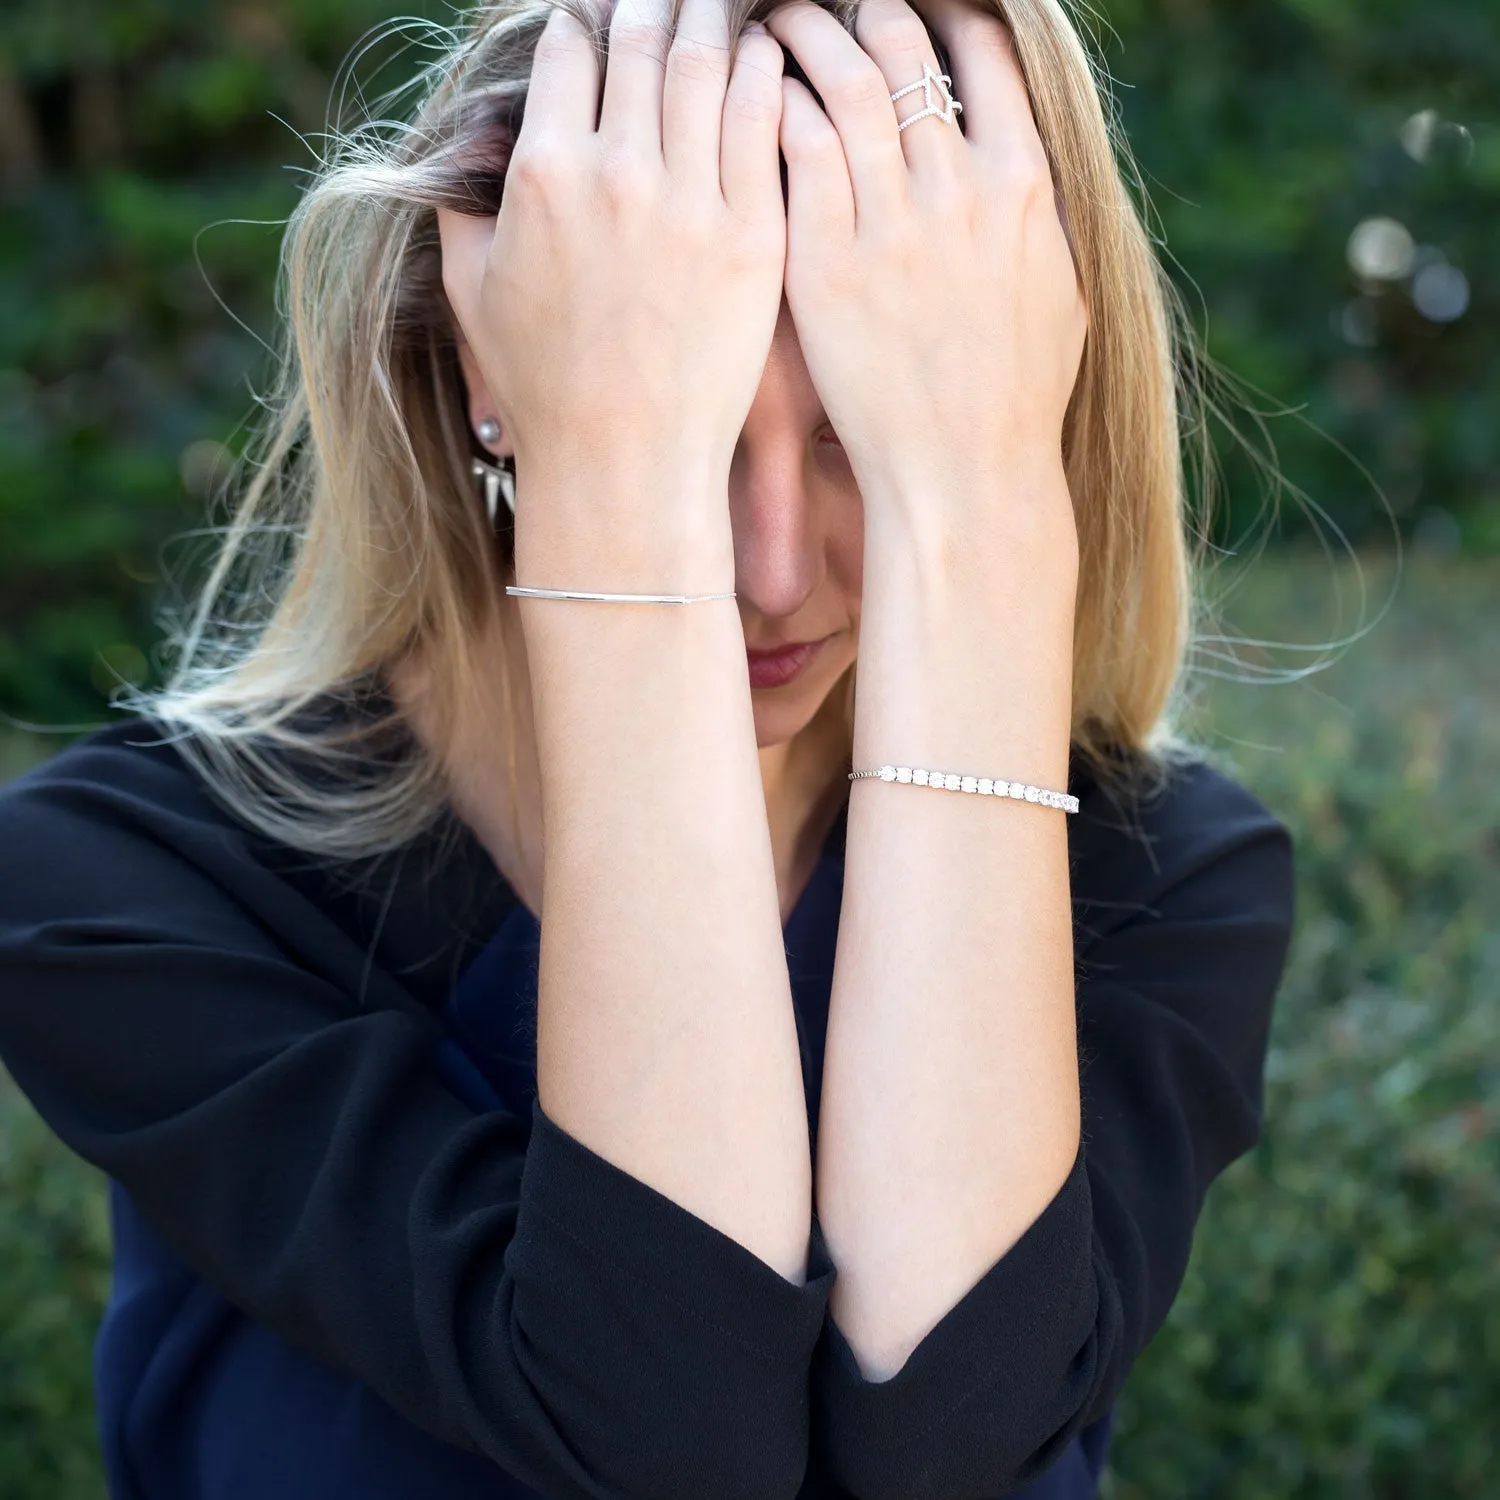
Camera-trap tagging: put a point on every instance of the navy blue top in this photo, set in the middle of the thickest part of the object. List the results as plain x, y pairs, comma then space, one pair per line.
268, 1421
313, 1299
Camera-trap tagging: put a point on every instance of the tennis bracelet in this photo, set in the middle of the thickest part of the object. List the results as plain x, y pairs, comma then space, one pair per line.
951, 781
984, 786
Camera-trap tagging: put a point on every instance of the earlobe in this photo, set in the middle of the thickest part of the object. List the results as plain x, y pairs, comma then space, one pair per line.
483, 414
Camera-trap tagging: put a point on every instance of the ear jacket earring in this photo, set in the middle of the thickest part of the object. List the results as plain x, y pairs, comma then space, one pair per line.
497, 481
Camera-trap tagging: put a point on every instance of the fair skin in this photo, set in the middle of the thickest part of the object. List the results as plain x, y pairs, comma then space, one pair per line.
799, 539
665, 422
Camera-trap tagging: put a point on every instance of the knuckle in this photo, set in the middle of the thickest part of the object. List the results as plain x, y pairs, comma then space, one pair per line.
900, 31
1040, 183
1004, 40
637, 34
810, 146
695, 62
975, 28
863, 87
761, 56
753, 96
557, 38
538, 168
753, 106
1025, 171
625, 182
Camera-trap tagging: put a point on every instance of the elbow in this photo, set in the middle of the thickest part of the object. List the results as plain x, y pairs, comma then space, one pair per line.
996, 1442
993, 1398
578, 1421
657, 1355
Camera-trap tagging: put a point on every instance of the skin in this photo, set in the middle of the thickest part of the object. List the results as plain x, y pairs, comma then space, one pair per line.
647, 270
798, 524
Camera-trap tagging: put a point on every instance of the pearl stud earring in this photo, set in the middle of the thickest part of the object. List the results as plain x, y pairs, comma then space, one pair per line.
497, 482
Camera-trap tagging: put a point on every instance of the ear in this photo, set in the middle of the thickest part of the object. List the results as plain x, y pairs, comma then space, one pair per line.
481, 405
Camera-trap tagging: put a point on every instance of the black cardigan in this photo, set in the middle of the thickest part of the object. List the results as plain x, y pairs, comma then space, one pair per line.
244, 1041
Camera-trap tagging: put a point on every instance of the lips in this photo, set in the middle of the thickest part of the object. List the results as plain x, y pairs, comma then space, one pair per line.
776, 668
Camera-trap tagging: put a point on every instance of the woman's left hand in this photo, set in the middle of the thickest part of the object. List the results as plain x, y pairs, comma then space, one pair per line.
928, 272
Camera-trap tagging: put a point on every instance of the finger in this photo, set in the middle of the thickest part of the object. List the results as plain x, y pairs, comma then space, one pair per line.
562, 97
640, 32
692, 105
896, 37
856, 101
987, 75
820, 202
750, 167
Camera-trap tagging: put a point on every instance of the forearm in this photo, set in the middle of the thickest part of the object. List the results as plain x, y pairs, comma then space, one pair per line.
950, 1109
666, 1037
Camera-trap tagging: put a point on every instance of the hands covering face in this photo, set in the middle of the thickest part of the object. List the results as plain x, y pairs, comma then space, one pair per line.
623, 303
928, 271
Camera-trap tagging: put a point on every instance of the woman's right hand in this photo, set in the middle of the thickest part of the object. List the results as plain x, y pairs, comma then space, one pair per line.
623, 303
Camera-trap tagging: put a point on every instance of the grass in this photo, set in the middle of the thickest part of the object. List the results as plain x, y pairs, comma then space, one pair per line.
1338, 1333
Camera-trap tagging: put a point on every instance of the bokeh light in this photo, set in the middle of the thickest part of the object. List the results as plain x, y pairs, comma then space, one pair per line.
1440, 292
1382, 249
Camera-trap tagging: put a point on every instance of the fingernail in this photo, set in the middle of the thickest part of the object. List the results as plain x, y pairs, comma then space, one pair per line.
757, 28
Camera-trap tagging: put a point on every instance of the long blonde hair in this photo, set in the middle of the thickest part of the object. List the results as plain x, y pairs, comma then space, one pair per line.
358, 536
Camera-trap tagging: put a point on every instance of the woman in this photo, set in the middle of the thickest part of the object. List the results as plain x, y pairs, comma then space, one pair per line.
843, 1129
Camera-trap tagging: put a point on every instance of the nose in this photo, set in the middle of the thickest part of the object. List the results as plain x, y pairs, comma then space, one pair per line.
778, 546
784, 492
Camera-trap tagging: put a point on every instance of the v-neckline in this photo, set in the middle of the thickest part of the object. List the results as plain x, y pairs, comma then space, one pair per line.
832, 847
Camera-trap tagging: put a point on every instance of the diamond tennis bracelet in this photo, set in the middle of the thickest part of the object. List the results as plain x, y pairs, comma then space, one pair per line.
984, 786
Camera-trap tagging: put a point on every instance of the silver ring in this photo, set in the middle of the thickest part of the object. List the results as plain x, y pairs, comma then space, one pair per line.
951, 106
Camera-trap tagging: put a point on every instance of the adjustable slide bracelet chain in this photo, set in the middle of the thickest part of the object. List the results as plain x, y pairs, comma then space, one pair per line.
984, 786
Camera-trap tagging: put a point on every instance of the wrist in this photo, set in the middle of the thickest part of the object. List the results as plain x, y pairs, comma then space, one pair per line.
975, 529
966, 652
637, 529
614, 681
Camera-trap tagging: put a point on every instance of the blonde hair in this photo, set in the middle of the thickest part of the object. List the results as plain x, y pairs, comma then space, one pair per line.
359, 537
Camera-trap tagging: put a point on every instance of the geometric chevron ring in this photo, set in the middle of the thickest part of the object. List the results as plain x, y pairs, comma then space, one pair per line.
925, 83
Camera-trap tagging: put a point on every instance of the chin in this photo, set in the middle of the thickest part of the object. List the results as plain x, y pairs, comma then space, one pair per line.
783, 713
783, 719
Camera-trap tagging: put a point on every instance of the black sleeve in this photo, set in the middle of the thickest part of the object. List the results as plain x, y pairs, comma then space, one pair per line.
1174, 1002
533, 1303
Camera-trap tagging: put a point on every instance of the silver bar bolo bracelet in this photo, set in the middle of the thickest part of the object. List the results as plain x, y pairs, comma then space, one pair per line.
511, 588
984, 786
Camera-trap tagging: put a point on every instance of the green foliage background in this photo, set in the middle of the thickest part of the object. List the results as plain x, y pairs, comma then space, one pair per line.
1338, 1334
1267, 133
